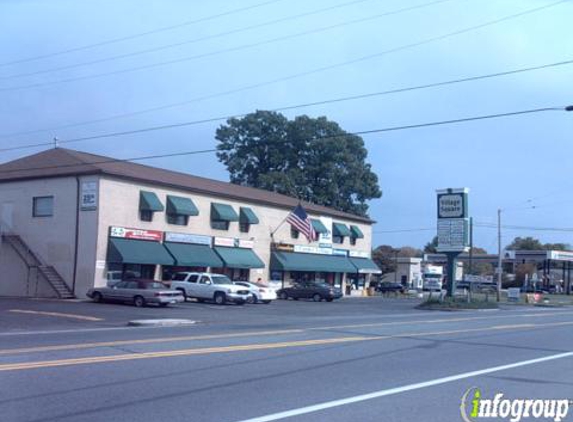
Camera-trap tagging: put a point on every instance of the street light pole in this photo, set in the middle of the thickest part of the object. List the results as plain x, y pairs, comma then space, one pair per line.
499, 270
396, 265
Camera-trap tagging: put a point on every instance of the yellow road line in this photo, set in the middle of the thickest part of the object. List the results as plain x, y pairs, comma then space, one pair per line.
245, 334
56, 314
142, 341
251, 347
172, 353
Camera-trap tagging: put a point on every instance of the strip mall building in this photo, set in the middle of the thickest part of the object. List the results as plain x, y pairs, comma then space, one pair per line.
72, 220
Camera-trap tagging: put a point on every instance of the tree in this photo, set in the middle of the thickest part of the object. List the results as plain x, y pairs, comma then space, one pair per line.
432, 247
312, 159
532, 244
385, 256
478, 268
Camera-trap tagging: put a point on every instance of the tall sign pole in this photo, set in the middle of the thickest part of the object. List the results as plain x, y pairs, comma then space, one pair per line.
453, 229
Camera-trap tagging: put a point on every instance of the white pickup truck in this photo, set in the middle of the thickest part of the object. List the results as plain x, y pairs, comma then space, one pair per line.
208, 286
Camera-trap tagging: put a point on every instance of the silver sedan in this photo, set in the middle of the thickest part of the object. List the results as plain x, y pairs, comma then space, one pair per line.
138, 292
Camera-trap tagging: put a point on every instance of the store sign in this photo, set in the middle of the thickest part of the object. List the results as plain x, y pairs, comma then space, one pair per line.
136, 234
453, 224
325, 239
187, 238
228, 242
340, 252
358, 254
88, 196
286, 247
560, 255
248, 244
312, 249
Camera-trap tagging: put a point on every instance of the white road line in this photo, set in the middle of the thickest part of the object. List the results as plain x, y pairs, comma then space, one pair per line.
403, 389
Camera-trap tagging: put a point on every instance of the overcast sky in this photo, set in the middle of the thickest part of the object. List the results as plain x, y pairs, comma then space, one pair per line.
235, 57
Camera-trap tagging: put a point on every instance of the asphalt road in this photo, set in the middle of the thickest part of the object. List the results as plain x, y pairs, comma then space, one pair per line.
353, 360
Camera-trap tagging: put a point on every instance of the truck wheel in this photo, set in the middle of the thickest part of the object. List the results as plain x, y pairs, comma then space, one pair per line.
183, 293
220, 298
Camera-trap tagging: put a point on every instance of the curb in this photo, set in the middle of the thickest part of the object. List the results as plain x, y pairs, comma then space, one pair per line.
160, 322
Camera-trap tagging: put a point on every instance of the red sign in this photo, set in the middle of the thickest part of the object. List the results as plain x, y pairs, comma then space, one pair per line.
137, 234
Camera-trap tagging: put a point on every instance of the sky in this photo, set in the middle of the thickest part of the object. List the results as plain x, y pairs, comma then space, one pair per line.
73, 69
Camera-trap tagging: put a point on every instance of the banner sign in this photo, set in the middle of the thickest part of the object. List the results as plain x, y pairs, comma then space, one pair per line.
340, 252
187, 238
312, 249
453, 224
136, 234
88, 196
286, 247
358, 254
233, 242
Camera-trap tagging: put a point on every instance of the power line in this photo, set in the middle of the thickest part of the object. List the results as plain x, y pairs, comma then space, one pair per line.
232, 32
514, 227
309, 104
358, 133
138, 35
297, 75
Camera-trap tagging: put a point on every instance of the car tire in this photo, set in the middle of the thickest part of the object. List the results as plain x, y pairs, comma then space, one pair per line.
316, 297
220, 298
183, 293
266, 302
139, 301
283, 296
97, 297
252, 299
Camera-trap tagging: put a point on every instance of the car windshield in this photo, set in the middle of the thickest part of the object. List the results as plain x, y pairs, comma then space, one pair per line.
221, 279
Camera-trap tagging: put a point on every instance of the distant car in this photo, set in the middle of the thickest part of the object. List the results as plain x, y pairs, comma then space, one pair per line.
138, 292
209, 286
310, 290
259, 292
390, 287
531, 289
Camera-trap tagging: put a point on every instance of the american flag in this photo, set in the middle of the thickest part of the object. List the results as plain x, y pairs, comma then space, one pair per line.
298, 218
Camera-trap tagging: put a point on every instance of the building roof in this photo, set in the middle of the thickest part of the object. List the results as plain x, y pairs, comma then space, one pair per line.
61, 162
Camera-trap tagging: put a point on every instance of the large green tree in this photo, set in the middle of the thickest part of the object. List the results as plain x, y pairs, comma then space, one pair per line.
533, 244
312, 159
385, 256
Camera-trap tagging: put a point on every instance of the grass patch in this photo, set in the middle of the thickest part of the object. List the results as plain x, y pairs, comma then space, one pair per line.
456, 304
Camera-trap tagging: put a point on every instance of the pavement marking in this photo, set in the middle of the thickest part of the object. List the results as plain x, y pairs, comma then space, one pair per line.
172, 353
142, 341
250, 347
248, 333
56, 314
402, 389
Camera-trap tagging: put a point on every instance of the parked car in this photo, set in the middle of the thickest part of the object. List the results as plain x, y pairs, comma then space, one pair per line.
138, 292
310, 290
258, 292
209, 286
390, 287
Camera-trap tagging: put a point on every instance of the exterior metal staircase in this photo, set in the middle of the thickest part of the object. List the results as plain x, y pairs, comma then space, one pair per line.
32, 260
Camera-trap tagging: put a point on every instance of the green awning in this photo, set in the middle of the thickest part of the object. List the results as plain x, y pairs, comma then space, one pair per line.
239, 258
339, 229
365, 266
128, 251
148, 201
318, 226
246, 215
289, 261
356, 232
181, 206
189, 255
223, 212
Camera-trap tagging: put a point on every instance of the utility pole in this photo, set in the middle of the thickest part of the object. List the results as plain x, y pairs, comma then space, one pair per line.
55, 142
471, 245
499, 270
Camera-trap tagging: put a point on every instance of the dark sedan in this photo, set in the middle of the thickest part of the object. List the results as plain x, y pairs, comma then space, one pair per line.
390, 287
138, 292
315, 291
